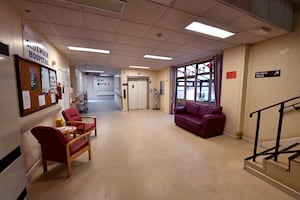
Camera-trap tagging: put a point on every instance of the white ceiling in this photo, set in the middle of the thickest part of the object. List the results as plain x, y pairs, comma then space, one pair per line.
144, 27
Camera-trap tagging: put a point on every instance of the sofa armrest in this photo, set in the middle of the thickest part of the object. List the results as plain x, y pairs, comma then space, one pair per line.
214, 121
179, 110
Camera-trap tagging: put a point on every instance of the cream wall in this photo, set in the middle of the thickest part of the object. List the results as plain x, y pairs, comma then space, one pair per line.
164, 100
282, 53
11, 34
246, 94
233, 90
153, 83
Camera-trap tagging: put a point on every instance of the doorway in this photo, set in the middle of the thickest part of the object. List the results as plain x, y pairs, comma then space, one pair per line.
137, 93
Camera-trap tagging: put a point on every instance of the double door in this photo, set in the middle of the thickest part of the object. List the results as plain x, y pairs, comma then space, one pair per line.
137, 94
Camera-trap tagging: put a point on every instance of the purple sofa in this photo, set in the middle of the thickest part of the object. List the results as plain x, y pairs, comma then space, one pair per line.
203, 120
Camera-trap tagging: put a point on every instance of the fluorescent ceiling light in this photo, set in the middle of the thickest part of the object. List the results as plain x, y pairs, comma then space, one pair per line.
104, 75
94, 71
208, 30
88, 50
138, 67
158, 57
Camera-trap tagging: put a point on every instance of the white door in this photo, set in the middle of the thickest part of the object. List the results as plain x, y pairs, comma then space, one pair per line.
142, 94
137, 94
132, 95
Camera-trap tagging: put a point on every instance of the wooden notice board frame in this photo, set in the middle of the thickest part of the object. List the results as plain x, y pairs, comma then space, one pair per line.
36, 86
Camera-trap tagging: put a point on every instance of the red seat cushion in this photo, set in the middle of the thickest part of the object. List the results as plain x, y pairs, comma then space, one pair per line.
88, 127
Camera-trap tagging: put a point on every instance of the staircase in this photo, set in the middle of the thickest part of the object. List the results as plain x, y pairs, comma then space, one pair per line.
280, 164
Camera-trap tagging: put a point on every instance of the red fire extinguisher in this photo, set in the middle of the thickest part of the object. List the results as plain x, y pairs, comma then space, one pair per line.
59, 91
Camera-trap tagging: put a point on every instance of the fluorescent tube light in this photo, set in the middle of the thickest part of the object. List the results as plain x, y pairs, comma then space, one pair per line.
104, 75
94, 71
88, 50
138, 67
208, 30
158, 57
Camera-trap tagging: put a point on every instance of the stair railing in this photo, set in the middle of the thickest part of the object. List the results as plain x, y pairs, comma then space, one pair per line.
281, 113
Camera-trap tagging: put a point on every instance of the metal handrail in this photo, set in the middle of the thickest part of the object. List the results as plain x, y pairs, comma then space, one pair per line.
274, 105
281, 112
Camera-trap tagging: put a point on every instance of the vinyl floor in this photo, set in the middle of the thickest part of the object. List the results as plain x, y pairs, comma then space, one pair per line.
143, 155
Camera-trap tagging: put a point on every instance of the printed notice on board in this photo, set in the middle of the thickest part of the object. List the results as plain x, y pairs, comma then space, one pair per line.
53, 98
26, 99
42, 100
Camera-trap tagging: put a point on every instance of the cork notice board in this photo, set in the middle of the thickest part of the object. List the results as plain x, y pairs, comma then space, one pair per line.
36, 86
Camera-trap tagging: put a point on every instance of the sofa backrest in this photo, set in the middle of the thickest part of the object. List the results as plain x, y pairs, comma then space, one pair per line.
191, 107
200, 109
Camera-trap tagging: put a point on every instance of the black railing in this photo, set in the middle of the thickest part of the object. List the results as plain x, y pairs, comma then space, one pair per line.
281, 113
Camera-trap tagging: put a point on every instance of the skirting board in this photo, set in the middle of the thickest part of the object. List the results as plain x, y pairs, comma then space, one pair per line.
29, 174
237, 137
269, 144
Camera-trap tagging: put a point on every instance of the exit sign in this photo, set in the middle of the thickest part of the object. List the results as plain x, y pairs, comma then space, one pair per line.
264, 74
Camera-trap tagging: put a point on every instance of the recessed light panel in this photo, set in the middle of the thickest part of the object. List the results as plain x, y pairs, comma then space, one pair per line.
208, 30
158, 57
94, 71
88, 50
138, 67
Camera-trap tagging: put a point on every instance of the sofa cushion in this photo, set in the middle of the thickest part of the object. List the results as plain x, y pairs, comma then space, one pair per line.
203, 109
191, 108
214, 110
206, 109
190, 120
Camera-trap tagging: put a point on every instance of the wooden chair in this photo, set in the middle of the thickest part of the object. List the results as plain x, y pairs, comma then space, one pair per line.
56, 147
73, 118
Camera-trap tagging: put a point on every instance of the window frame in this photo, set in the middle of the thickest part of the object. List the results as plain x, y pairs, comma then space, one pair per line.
197, 84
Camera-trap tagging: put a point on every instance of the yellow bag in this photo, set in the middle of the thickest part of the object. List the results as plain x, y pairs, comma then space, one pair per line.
60, 122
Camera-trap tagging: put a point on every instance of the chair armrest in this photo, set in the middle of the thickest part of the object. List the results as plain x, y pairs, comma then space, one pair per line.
214, 120
74, 122
78, 138
178, 110
85, 116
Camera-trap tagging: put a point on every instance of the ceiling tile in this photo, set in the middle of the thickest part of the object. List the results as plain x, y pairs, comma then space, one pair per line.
54, 39
99, 35
223, 13
127, 40
42, 27
29, 10
100, 12
120, 47
75, 42
218, 45
195, 7
60, 15
181, 38
69, 31
148, 43
143, 11
99, 45
200, 42
244, 38
101, 23
169, 46
156, 33
141, 51
132, 28
246, 23
175, 20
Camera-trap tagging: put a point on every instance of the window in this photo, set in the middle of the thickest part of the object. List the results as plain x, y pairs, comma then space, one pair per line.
195, 82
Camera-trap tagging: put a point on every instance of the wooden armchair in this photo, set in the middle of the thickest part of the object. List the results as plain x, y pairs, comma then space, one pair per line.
73, 118
56, 147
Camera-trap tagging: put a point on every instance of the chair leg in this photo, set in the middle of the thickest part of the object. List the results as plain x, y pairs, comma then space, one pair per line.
95, 131
69, 168
90, 153
45, 166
